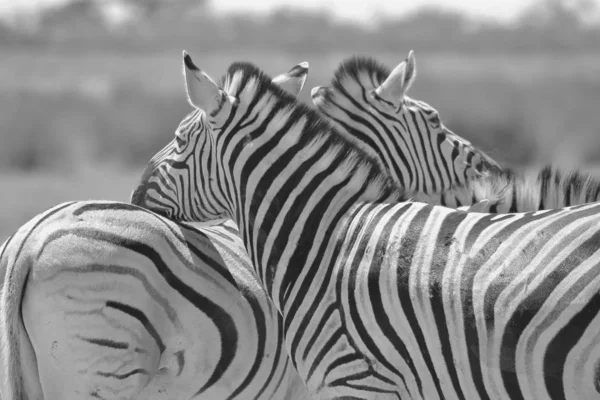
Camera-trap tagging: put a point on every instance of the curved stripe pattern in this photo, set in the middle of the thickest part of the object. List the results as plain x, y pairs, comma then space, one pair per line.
120, 303
368, 103
379, 126
382, 297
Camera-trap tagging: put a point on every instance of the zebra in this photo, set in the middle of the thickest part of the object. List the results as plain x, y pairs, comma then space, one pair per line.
383, 297
120, 303
353, 103
370, 105
106, 300
420, 153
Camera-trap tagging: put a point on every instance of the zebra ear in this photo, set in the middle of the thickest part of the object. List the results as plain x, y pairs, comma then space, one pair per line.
202, 91
318, 93
399, 81
293, 80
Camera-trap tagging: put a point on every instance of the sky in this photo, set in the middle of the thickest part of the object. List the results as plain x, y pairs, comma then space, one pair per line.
503, 10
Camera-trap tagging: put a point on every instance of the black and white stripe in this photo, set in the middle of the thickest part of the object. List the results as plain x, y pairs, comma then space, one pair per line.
368, 104
108, 300
382, 297
153, 308
390, 132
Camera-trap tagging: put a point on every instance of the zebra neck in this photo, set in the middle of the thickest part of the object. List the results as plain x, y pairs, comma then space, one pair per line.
380, 142
285, 211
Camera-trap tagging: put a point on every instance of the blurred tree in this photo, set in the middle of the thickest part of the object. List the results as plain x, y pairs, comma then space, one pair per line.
7, 35
153, 9
566, 14
425, 28
161, 19
549, 25
430, 21
83, 18
558, 25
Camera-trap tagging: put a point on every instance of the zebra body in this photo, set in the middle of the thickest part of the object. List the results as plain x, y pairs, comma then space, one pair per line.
107, 300
382, 297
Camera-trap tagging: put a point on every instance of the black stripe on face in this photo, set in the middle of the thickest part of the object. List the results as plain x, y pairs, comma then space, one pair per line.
384, 101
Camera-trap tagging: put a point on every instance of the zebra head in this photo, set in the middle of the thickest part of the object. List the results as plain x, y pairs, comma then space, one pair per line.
169, 184
369, 104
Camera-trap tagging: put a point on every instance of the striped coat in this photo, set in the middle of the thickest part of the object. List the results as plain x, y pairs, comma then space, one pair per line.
368, 104
107, 300
384, 298
155, 310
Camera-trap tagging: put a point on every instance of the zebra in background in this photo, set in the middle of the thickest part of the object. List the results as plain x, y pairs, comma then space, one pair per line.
370, 105
382, 297
106, 300
367, 102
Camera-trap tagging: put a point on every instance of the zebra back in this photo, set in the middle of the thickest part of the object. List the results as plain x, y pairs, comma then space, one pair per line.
529, 189
106, 297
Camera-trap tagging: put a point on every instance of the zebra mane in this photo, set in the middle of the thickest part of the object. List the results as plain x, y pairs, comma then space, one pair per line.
535, 188
358, 67
242, 72
495, 187
316, 131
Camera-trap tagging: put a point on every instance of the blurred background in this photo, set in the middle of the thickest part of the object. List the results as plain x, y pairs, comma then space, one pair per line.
91, 89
